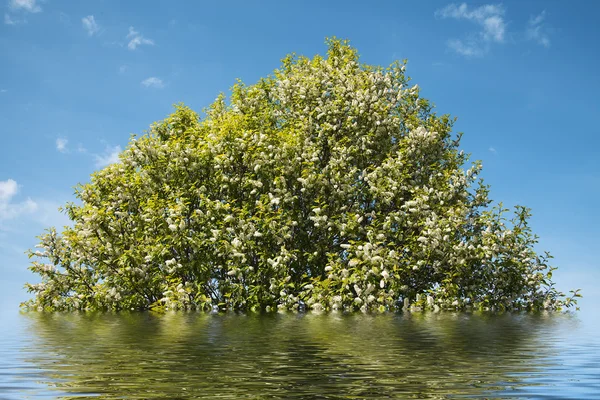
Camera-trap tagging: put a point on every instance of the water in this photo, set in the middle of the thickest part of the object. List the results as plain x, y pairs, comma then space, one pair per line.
298, 356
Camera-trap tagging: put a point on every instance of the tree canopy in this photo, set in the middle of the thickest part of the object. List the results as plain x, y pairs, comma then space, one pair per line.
330, 184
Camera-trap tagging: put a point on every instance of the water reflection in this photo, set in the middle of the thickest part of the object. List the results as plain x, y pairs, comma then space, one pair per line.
303, 356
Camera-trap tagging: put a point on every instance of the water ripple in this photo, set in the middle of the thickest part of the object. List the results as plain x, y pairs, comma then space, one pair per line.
298, 356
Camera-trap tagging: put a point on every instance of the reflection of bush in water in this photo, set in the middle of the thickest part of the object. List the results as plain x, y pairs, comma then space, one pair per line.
249, 356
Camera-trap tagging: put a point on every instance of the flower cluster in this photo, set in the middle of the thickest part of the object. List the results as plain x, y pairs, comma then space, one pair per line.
329, 185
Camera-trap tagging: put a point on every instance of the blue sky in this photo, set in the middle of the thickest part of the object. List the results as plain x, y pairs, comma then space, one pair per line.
77, 78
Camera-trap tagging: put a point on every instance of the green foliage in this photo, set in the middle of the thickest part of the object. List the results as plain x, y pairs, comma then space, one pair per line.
331, 184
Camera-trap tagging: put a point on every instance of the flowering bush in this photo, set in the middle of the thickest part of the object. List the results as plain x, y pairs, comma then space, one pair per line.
329, 185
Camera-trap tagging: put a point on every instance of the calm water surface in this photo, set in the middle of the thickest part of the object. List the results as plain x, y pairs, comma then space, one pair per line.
298, 356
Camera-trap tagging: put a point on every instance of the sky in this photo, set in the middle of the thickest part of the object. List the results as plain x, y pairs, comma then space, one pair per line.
78, 78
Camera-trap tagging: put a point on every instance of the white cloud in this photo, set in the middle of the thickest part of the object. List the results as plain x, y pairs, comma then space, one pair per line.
48, 214
8, 189
8, 209
110, 156
536, 30
136, 39
468, 49
153, 82
61, 145
25, 5
489, 17
493, 150
8, 20
11, 211
81, 149
90, 25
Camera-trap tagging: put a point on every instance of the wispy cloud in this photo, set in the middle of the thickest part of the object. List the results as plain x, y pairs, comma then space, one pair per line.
11, 19
469, 48
136, 39
8, 189
3, 90
90, 25
490, 19
14, 213
81, 149
493, 150
61, 145
25, 5
110, 156
123, 69
8, 20
153, 82
48, 213
536, 30
20, 7
10, 209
